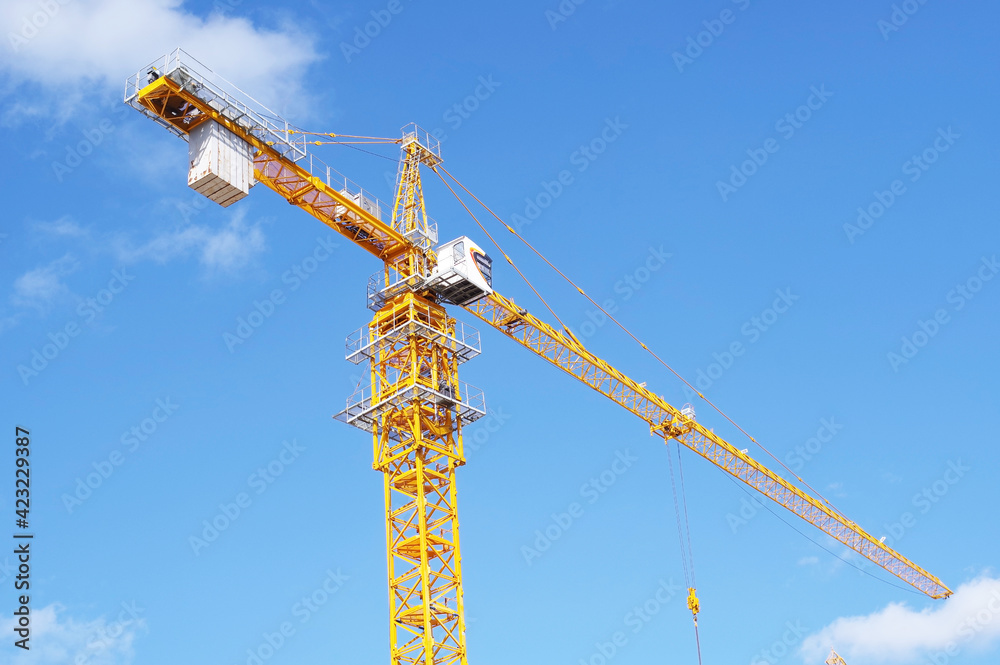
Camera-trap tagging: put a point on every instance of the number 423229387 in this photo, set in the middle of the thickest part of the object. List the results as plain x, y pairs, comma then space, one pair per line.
22, 477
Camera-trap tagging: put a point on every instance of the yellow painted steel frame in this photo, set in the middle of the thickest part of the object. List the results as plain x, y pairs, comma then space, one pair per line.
668, 422
417, 446
182, 109
409, 210
409, 214
835, 659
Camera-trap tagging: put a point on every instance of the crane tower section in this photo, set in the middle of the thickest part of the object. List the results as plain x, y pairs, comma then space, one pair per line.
415, 408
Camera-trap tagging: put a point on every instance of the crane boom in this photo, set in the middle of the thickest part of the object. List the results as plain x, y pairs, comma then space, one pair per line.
180, 97
668, 422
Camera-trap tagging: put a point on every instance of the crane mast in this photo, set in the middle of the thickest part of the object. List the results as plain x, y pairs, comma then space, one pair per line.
414, 406
834, 659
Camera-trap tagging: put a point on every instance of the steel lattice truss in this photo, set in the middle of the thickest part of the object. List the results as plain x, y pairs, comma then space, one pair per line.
418, 446
668, 422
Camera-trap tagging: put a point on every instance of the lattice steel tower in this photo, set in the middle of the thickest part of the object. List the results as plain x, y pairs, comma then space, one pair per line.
415, 407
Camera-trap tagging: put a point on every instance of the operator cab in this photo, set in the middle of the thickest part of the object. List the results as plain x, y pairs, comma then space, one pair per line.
464, 272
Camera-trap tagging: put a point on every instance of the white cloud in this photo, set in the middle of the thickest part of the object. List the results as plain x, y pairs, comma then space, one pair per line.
233, 247
837, 489
58, 639
892, 478
39, 287
66, 45
64, 227
228, 249
8, 322
221, 250
970, 619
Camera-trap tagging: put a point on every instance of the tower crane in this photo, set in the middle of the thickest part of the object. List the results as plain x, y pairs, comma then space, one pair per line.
415, 406
835, 659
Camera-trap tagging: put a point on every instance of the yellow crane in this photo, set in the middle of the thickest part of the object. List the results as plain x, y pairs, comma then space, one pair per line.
835, 659
415, 406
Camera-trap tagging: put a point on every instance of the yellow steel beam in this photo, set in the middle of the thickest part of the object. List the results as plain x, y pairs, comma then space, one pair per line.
183, 109
668, 422
418, 447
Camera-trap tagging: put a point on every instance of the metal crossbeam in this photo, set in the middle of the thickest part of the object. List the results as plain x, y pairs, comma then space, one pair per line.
668, 422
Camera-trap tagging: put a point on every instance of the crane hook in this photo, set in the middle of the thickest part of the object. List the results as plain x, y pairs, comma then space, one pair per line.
693, 604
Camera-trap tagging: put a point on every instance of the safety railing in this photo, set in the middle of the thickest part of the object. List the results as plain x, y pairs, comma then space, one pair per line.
229, 101
464, 341
430, 143
365, 405
221, 95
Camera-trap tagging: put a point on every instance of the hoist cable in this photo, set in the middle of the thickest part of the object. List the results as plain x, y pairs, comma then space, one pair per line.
499, 249
640, 342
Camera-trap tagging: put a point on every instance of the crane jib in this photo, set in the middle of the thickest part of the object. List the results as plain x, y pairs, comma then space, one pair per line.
668, 422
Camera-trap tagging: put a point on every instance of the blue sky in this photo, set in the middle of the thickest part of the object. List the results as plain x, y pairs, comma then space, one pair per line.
794, 201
